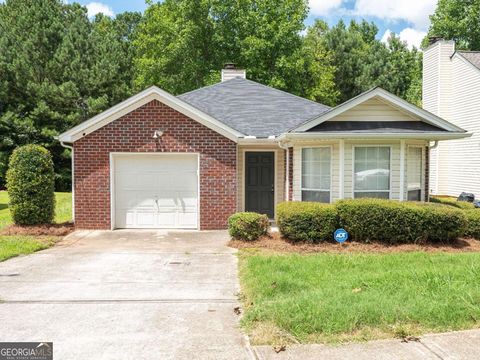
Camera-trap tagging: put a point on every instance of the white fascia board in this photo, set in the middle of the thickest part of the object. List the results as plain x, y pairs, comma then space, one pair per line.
140, 99
388, 97
374, 136
255, 141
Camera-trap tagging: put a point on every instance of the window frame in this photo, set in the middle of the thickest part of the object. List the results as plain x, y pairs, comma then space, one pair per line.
390, 170
331, 171
422, 172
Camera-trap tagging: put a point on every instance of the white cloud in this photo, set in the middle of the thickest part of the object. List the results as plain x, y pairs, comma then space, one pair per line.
411, 36
415, 12
95, 8
323, 7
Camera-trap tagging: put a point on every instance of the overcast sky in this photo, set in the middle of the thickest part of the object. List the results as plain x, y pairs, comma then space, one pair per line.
408, 18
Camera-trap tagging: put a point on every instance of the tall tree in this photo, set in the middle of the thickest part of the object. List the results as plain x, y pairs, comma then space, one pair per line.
181, 46
458, 20
57, 68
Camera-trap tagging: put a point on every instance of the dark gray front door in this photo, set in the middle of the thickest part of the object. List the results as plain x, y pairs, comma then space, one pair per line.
259, 182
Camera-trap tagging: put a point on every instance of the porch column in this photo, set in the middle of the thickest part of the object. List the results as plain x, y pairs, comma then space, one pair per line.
402, 170
341, 167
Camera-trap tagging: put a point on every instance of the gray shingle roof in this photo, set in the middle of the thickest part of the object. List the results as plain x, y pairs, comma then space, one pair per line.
376, 127
471, 56
252, 108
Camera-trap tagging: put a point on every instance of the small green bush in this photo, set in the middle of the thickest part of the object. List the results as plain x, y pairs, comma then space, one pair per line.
400, 222
248, 225
30, 185
307, 221
473, 223
452, 202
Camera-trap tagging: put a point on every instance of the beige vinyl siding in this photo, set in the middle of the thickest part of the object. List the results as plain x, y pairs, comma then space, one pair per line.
348, 166
374, 110
279, 173
464, 154
451, 89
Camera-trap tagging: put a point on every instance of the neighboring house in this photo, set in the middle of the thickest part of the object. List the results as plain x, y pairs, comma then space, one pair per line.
160, 161
451, 89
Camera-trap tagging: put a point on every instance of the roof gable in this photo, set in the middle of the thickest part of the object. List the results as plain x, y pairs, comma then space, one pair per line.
252, 108
473, 57
384, 96
140, 99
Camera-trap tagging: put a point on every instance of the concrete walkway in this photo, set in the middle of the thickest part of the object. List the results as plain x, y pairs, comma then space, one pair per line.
460, 345
126, 295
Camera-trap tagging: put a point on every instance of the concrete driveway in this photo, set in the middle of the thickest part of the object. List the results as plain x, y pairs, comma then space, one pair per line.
127, 295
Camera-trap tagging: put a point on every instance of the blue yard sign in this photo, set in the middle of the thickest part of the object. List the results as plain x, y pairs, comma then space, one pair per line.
340, 236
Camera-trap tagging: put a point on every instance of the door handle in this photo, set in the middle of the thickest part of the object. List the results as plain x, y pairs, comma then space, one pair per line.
156, 203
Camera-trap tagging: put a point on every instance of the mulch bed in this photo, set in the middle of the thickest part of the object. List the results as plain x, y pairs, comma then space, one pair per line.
39, 230
276, 243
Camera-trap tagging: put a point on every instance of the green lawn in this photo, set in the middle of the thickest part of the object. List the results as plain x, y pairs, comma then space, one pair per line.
351, 297
11, 246
63, 209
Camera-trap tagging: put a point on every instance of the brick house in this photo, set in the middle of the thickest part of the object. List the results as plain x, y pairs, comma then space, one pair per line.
189, 161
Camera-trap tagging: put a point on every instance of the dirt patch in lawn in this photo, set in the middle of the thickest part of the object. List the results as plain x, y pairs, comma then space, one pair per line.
39, 230
276, 243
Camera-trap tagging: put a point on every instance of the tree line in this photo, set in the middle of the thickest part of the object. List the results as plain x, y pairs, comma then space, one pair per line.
58, 67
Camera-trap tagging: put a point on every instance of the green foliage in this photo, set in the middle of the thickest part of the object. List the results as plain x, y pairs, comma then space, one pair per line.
57, 69
458, 20
363, 62
307, 221
452, 202
473, 223
248, 225
400, 222
30, 183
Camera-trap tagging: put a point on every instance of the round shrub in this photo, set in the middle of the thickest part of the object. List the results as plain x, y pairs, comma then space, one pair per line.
307, 221
30, 185
396, 222
248, 226
473, 223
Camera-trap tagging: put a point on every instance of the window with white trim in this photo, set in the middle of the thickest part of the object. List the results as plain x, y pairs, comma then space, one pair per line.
316, 165
372, 172
414, 173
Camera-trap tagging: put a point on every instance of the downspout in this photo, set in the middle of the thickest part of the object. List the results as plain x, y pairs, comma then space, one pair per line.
437, 163
287, 171
73, 177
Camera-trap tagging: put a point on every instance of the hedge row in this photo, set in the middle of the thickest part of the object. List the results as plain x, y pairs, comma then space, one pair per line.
248, 225
464, 205
367, 220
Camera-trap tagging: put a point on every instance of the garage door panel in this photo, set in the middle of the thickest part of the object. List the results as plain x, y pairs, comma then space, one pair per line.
156, 191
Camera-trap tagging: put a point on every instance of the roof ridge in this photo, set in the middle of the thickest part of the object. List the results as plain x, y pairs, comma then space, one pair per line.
469, 51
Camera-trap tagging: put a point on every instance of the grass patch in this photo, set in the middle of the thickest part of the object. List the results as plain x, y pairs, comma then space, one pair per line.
11, 246
14, 245
63, 208
350, 297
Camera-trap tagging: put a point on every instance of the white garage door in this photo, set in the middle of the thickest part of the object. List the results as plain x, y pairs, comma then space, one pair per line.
156, 191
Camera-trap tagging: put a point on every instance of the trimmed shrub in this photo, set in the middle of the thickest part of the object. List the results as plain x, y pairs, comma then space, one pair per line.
400, 222
452, 202
248, 225
307, 221
30, 185
473, 223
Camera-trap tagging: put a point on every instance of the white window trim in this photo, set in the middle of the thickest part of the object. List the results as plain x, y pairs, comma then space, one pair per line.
390, 169
422, 172
301, 170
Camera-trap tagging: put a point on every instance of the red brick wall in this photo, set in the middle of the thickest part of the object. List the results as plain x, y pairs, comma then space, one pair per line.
133, 133
290, 174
